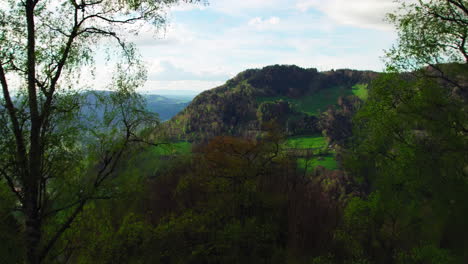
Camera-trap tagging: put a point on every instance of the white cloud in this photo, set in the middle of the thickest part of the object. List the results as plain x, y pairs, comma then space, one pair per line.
232, 7
359, 13
261, 24
190, 86
201, 54
183, 7
172, 34
258, 21
167, 71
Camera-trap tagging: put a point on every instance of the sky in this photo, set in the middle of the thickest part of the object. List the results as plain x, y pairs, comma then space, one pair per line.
202, 46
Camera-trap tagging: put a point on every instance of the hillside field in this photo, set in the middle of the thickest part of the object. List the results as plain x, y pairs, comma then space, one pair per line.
328, 162
307, 142
318, 102
316, 142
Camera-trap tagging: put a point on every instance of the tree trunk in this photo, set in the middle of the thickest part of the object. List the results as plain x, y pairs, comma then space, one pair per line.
32, 176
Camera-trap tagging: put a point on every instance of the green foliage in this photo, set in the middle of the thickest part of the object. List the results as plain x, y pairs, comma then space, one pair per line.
405, 122
427, 254
12, 249
107, 232
408, 145
208, 238
227, 202
410, 137
323, 260
55, 156
429, 33
277, 111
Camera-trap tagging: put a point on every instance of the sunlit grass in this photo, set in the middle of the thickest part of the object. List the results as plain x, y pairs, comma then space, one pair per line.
181, 147
328, 162
318, 144
307, 142
317, 102
360, 90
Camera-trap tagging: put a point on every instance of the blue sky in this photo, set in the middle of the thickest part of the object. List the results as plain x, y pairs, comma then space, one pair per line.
203, 46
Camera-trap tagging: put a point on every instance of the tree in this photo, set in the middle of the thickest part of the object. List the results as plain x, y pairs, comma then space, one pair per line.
430, 33
410, 141
43, 44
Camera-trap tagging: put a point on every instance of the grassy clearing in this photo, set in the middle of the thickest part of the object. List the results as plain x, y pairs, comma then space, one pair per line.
318, 102
312, 104
316, 142
147, 163
328, 162
307, 142
181, 147
360, 90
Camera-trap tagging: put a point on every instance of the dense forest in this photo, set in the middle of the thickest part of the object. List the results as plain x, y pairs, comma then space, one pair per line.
278, 165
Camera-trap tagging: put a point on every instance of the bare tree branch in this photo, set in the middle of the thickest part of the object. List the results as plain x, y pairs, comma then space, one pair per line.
73, 204
460, 5
17, 131
48, 246
12, 186
59, 67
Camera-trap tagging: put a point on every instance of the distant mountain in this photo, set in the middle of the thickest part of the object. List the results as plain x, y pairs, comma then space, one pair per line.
166, 106
173, 92
290, 96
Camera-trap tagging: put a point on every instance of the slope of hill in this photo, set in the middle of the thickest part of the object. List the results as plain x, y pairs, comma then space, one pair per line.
313, 109
291, 96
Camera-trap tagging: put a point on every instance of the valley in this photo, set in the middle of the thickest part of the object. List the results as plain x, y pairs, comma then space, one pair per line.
310, 148
293, 99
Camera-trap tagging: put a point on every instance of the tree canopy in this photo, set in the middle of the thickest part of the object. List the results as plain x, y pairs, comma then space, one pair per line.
409, 144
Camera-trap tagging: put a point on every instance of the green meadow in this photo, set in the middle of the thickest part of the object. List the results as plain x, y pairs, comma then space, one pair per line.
314, 104
361, 91
315, 142
328, 162
177, 148
307, 142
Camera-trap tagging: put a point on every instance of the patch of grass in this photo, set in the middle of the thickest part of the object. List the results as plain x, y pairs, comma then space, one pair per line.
317, 102
328, 162
307, 142
360, 90
181, 147
147, 163
274, 98
314, 103
316, 142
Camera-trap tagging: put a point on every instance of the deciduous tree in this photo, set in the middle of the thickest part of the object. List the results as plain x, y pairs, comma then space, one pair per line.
43, 44
411, 138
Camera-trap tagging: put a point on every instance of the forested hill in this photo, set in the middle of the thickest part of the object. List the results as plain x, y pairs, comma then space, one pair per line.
289, 95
